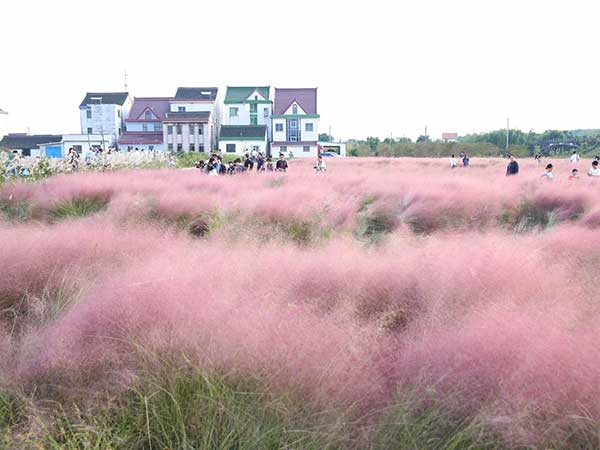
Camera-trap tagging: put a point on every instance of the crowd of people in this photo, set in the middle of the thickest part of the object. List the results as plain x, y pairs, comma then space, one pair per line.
215, 166
594, 171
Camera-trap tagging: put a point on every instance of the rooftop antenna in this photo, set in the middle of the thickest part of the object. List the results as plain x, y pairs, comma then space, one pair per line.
125, 77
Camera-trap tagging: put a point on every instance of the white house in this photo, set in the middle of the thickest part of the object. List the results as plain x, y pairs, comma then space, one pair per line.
295, 122
247, 120
83, 143
192, 122
144, 125
104, 113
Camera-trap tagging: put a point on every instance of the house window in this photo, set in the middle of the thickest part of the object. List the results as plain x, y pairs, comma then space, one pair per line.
147, 115
255, 148
181, 108
179, 147
266, 112
278, 127
119, 113
89, 131
256, 97
295, 109
170, 129
200, 129
253, 120
151, 147
130, 148
308, 127
170, 147
119, 131
88, 113
283, 149
145, 127
178, 129
230, 148
157, 127
201, 148
233, 112
306, 148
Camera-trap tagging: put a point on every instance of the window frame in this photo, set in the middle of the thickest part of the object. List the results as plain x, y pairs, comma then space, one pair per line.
228, 146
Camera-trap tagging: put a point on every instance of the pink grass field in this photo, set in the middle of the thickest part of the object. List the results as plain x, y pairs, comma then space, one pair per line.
378, 280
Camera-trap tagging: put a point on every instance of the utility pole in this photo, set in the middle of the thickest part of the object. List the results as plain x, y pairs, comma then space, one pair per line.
125, 76
507, 133
425, 132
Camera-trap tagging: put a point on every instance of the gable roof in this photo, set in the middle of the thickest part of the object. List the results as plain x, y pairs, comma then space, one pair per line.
2, 111
239, 94
108, 98
196, 93
15, 141
235, 132
159, 106
305, 97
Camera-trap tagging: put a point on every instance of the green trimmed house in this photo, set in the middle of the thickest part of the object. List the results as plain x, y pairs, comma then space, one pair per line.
246, 124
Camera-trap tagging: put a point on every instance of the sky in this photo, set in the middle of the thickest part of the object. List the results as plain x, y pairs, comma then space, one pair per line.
382, 68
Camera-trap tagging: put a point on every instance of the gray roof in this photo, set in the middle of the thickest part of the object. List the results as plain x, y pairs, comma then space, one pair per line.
240, 132
196, 93
20, 141
187, 116
2, 111
108, 98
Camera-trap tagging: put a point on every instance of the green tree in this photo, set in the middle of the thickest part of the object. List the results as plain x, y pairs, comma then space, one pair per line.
324, 137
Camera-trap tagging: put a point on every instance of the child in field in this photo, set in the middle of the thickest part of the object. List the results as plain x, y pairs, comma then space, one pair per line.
453, 162
466, 160
321, 166
574, 175
282, 164
574, 158
513, 167
269, 164
594, 170
548, 173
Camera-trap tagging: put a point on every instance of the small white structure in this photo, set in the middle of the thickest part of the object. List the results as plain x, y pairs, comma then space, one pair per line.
334, 147
238, 140
83, 143
104, 113
295, 123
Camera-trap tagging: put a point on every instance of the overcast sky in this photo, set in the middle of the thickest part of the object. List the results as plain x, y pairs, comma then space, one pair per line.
382, 67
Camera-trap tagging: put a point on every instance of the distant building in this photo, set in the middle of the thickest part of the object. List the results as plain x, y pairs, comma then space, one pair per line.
295, 122
247, 120
333, 147
192, 122
144, 125
82, 143
26, 144
449, 137
104, 113
3, 122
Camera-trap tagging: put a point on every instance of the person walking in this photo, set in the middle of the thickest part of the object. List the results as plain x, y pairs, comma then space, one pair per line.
513, 167
466, 160
574, 157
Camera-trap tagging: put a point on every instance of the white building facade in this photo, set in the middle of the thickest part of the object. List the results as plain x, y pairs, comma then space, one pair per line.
82, 143
192, 122
295, 122
104, 113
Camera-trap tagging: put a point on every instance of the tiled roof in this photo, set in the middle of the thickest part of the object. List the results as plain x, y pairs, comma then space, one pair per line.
241, 132
196, 93
239, 94
449, 135
305, 97
128, 138
27, 141
189, 116
159, 106
108, 98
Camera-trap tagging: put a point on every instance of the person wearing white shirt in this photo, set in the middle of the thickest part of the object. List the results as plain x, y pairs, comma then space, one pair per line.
548, 173
594, 170
575, 158
453, 162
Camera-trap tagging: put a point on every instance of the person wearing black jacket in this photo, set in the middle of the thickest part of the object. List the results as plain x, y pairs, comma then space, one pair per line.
513, 167
282, 164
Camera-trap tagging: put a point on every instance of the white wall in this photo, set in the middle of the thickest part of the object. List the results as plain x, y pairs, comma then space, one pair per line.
242, 146
138, 127
297, 150
243, 117
193, 106
145, 147
3, 125
307, 136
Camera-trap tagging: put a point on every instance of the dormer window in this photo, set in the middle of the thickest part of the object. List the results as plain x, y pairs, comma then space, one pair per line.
295, 109
181, 109
147, 115
256, 97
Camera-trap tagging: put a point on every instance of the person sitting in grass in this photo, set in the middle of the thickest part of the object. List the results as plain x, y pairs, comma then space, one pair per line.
574, 175
594, 170
269, 164
513, 167
321, 166
548, 172
282, 164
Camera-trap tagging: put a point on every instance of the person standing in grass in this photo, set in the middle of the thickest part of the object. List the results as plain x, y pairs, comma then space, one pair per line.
321, 166
453, 162
548, 172
282, 164
574, 157
260, 162
594, 170
513, 167
466, 160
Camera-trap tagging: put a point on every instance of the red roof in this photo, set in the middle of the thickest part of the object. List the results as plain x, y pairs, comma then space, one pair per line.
305, 97
140, 138
446, 136
159, 106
